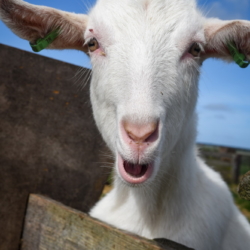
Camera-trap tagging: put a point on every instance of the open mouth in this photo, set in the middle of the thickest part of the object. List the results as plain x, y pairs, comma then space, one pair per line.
134, 173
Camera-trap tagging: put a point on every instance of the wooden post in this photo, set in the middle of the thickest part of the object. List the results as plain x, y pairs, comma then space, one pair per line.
236, 168
51, 225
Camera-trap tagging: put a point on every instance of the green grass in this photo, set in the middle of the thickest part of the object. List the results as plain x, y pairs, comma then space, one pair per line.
244, 169
243, 205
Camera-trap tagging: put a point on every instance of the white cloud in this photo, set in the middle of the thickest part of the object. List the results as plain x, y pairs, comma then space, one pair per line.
218, 107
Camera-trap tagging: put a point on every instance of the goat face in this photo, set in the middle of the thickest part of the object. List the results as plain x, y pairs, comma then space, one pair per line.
144, 82
146, 56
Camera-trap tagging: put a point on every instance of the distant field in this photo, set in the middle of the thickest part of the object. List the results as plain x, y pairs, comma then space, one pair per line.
221, 160
242, 204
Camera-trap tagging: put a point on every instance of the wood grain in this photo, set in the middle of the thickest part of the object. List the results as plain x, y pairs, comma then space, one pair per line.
52, 226
49, 143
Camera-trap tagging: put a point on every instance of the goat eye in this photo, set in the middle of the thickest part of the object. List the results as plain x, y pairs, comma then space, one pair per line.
93, 45
195, 50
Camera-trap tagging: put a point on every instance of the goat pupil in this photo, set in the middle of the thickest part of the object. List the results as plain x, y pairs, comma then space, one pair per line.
92, 44
195, 50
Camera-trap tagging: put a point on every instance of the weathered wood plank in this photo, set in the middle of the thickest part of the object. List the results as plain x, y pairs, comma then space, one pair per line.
49, 143
51, 225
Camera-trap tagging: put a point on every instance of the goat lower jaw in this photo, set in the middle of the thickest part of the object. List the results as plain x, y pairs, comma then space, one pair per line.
134, 173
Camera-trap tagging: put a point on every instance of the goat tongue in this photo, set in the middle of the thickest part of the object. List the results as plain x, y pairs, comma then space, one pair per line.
135, 170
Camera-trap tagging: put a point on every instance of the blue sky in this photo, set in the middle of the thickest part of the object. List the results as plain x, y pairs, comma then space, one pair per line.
224, 102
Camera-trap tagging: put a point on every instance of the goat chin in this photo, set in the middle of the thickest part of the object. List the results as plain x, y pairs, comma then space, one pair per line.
186, 201
146, 57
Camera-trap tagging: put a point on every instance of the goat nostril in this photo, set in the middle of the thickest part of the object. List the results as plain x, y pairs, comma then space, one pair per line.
139, 134
153, 136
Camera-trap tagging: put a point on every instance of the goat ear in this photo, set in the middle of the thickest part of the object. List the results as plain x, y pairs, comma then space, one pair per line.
220, 33
32, 22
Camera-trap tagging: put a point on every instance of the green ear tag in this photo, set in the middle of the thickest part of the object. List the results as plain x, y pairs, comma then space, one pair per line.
43, 43
238, 57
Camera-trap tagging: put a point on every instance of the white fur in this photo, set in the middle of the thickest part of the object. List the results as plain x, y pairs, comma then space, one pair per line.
143, 78
143, 73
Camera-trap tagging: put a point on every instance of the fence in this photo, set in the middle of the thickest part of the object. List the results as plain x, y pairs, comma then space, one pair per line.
231, 162
50, 225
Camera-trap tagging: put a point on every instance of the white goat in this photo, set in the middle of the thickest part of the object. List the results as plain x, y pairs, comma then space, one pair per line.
146, 56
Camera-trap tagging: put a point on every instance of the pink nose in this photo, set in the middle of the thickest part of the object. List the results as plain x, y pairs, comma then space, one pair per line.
143, 133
